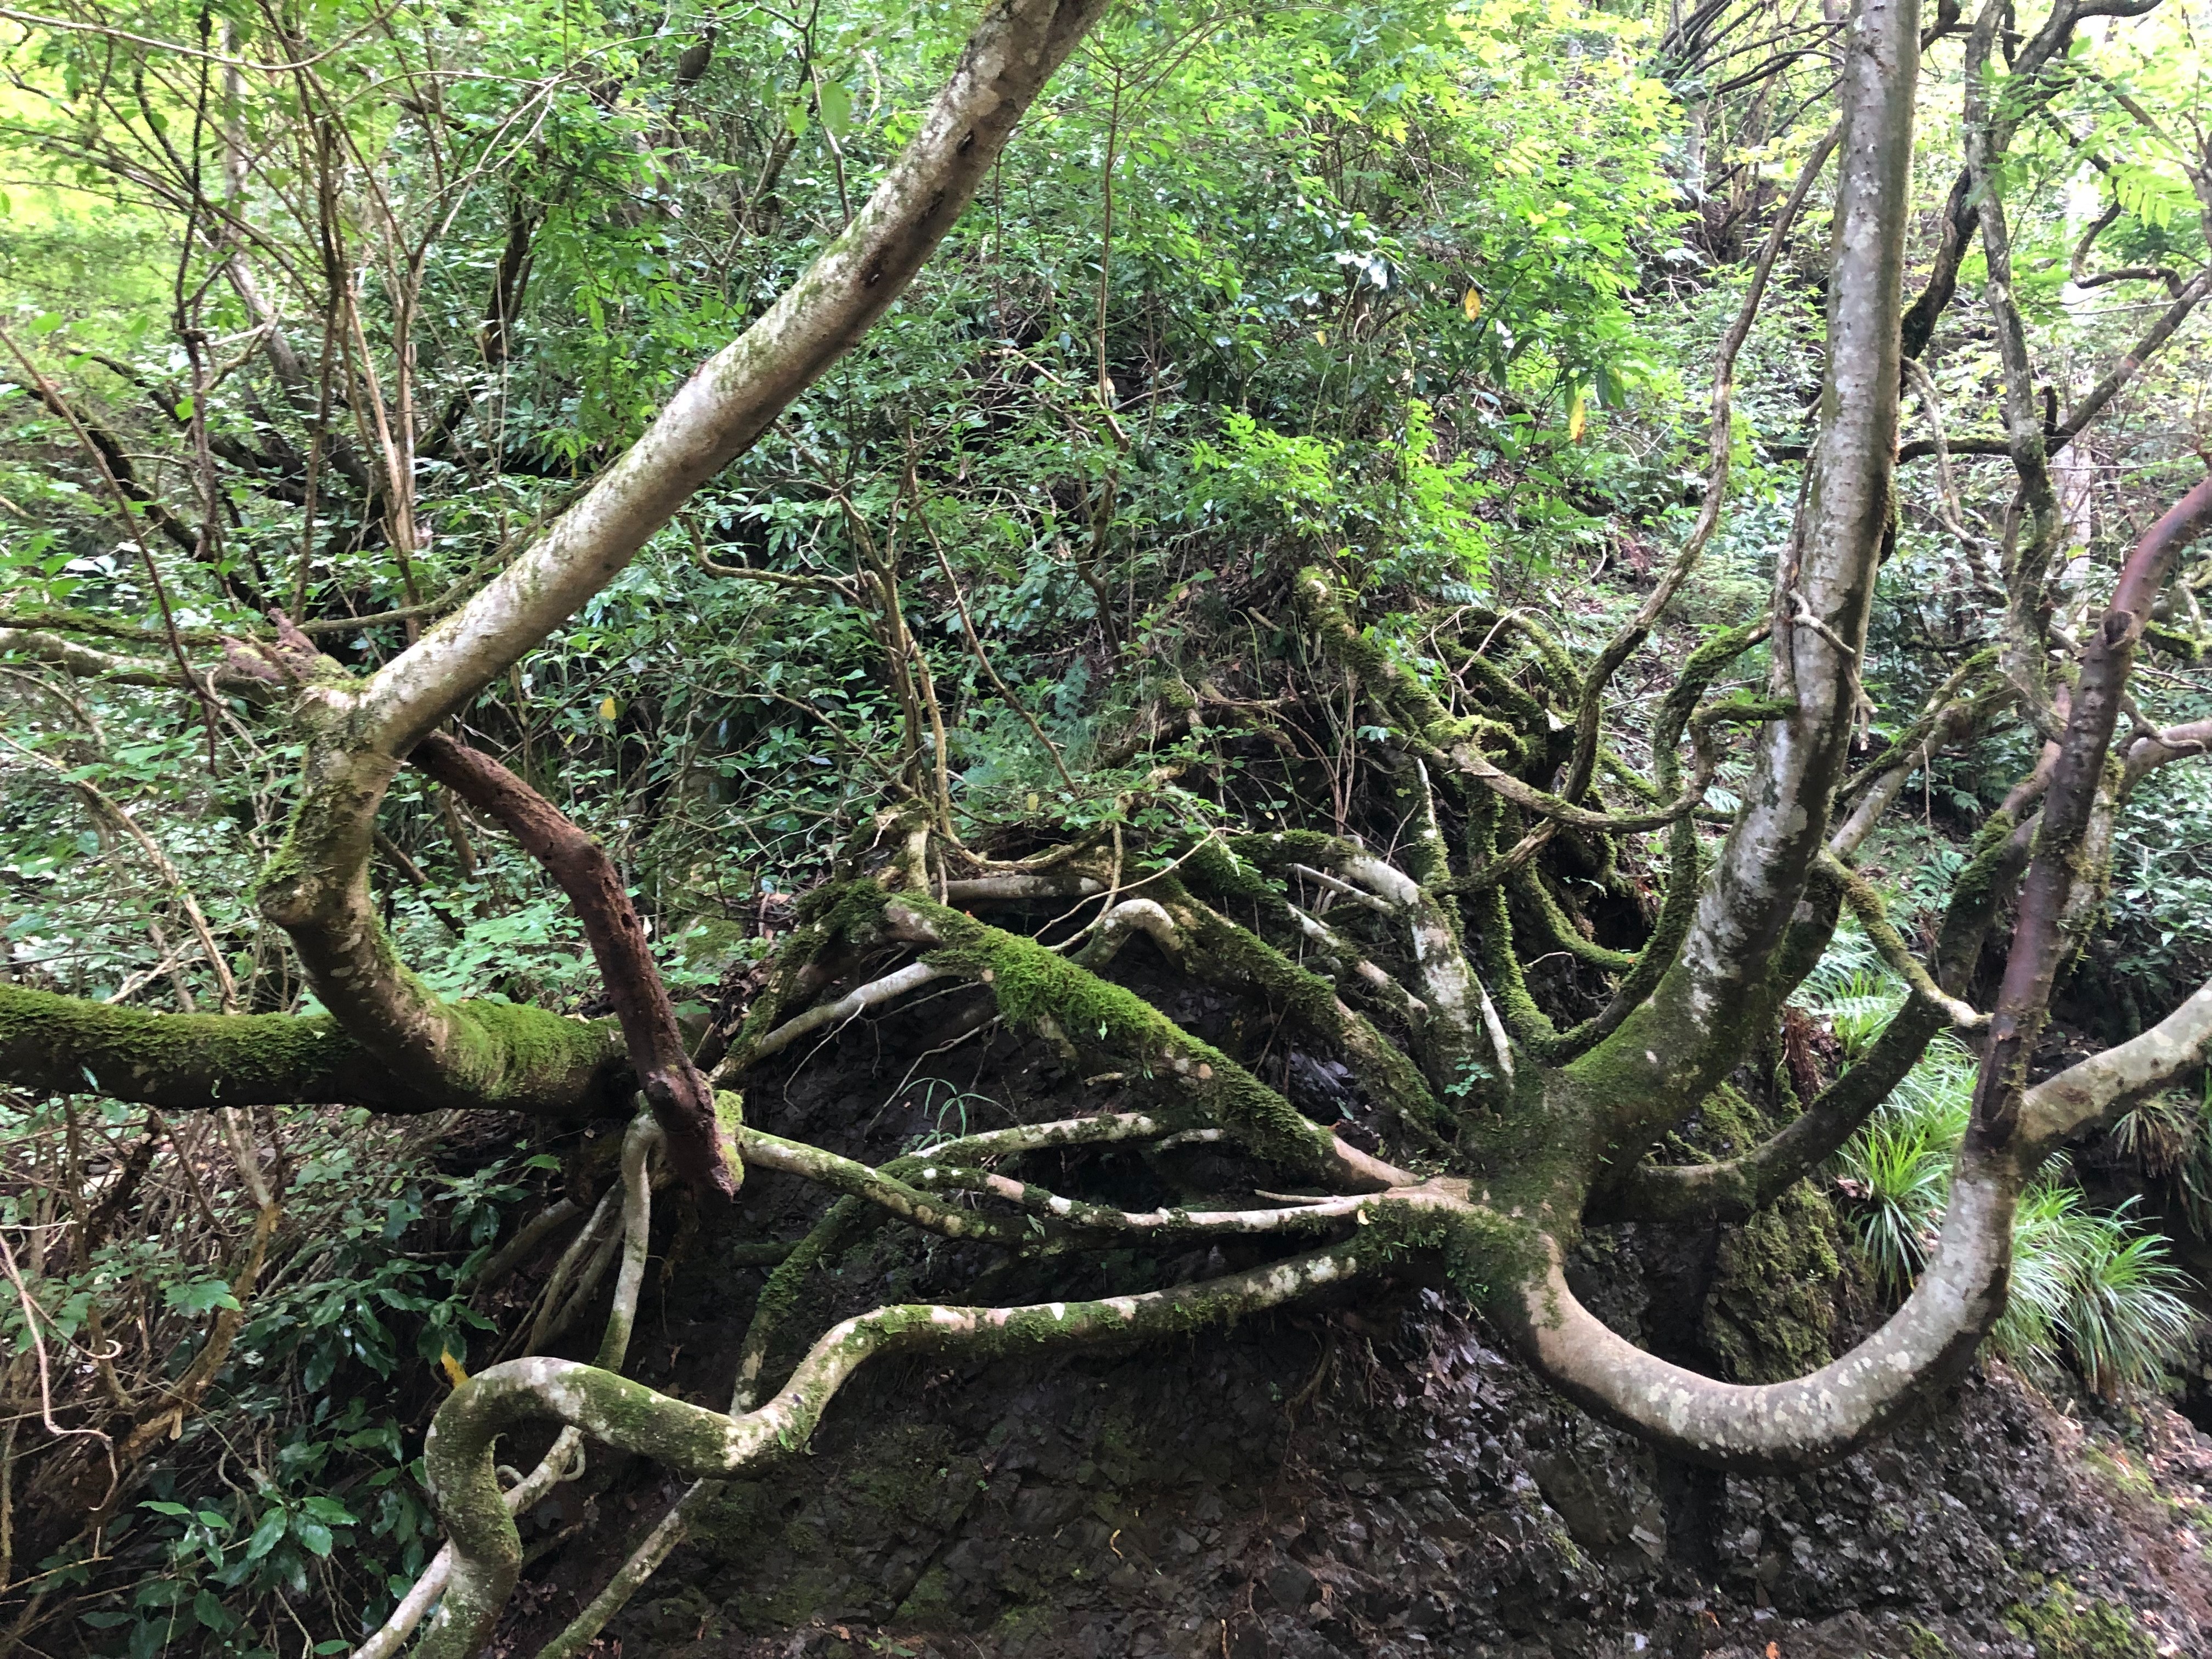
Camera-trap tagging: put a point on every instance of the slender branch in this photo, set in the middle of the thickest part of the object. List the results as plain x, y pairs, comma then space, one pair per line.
889, 989
2069, 803
682, 1102
1874, 916
1720, 450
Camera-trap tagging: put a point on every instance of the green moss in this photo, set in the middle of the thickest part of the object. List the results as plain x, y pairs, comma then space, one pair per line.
845, 910
1771, 1313
2123, 1476
2173, 641
2064, 1623
526, 1059
1492, 934
1503, 691
1218, 951
1368, 661
1560, 930
1216, 866
931, 1604
1024, 1628
1041, 993
1281, 847
506, 1052
1533, 1151
1727, 1124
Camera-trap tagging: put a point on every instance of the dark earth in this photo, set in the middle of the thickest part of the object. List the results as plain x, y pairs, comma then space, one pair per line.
1378, 1479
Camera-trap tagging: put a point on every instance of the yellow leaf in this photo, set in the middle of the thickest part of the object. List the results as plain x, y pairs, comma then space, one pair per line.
606, 709
452, 1367
1471, 303
1321, 335
1574, 419
1033, 801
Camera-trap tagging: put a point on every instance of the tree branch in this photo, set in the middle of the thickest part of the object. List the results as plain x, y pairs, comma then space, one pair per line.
191, 1062
682, 1102
488, 1551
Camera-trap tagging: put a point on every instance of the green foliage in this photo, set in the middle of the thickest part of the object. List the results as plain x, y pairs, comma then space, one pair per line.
2167, 1140
1412, 522
2089, 1280
1407, 291
2162, 885
2089, 1286
315, 1404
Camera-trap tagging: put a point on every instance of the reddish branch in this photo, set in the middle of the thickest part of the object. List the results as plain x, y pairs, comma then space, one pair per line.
682, 1101
2039, 940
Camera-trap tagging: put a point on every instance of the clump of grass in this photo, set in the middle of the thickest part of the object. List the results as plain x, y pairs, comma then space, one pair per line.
2169, 1138
2090, 1288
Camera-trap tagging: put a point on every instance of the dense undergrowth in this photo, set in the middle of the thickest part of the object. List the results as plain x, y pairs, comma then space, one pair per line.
1430, 292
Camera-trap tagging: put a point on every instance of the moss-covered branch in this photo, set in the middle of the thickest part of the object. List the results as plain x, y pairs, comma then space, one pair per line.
1431, 726
693, 1440
1450, 994
1222, 953
528, 1060
1046, 995
1705, 762
1559, 929
1874, 916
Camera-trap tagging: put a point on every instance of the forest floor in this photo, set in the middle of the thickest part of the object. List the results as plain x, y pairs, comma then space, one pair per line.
1373, 1479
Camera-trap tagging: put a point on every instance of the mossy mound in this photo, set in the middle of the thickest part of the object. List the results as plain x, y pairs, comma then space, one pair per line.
1772, 1312
2066, 1625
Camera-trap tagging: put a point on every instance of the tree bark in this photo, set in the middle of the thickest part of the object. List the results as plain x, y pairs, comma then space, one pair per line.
1667, 1055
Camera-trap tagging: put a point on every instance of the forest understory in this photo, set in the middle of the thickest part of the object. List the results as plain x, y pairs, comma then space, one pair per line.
1053, 827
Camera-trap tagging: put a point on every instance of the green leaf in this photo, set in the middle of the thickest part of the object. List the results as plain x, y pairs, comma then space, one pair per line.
210, 1612
836, 105
265, 1535
47, 323
313, 1534
198, 1297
